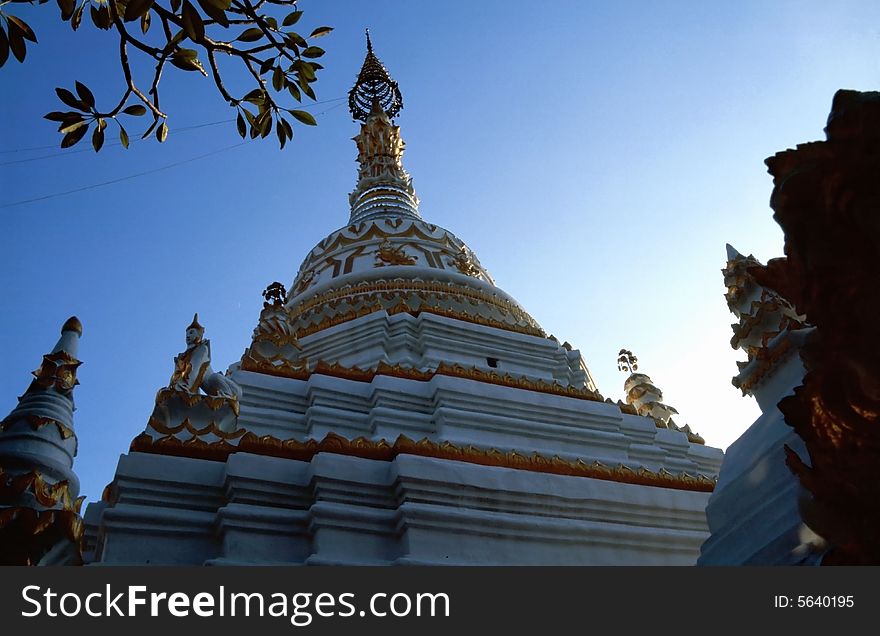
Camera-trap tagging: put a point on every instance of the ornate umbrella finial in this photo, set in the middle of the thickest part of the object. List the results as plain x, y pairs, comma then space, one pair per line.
374, 89
627, 362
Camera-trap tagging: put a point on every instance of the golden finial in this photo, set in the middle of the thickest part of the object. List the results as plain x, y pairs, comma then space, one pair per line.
195, 323
374, 89
72, 324
627, 361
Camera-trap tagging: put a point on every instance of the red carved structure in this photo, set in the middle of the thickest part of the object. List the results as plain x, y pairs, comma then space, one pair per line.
826, 198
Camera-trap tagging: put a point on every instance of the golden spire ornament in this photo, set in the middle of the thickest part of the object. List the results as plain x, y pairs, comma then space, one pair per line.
374, 89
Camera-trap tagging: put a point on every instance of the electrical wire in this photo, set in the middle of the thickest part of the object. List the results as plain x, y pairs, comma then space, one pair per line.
139, 174
176, 130
126, 178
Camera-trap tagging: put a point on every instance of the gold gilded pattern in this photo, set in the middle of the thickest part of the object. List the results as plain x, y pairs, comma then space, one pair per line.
387, 254
36, 422
370, 294
276, 366
213, 402
212, 428
49, 495
382, 450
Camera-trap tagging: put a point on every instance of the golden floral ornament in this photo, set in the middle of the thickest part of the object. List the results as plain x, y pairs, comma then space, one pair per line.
58, 370
464, 263
388, 254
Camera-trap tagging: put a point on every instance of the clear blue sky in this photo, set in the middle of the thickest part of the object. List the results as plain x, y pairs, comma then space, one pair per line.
596, 156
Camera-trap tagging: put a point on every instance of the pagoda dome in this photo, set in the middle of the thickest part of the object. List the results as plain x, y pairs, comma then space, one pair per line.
388, 258
399, 263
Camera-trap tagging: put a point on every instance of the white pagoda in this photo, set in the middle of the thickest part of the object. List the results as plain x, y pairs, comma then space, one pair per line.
396, 407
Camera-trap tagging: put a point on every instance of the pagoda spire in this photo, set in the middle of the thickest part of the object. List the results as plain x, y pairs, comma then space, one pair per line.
645, 397
39, 508
384, 188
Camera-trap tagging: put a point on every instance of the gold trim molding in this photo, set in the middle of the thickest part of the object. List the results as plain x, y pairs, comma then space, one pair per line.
279, 366
382, 450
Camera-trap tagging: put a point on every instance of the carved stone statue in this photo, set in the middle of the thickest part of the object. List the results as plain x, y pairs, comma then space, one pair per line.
182, 410
192, 368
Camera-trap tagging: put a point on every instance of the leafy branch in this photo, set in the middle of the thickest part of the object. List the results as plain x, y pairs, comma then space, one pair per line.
280, 61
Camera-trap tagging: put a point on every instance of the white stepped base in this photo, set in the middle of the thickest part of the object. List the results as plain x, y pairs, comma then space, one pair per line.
412, 510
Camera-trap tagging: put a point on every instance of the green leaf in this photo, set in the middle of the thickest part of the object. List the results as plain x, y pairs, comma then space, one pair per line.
223, 5
85, 94
305, 70
74, 136
136, 109
22, 26
67, 8
150, 129
4, 47
278, 80
192, 22
304, 117
294, 91
242, 127
263, 123
313, 51
98, 138
280, 133
287, 128
216, 10
304, 85
256, 96
16, 44
123, 137
68, 127
162, 132
101, 16
295, 39
250, 35
266, 65
59, 116
137, 9
68, 98
272, 23
145, 23
77, 17
187, 60
291, 18
321, 32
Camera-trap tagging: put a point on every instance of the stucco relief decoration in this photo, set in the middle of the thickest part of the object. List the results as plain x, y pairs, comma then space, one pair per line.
464, 263
387, 254
305, 281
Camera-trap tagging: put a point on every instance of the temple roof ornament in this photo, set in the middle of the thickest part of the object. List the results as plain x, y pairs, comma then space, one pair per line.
374, 89
38, 488
645, 397
383, 187
196, 397
769, 329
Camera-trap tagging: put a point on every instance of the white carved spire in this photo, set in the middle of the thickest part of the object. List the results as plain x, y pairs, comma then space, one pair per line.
383, 187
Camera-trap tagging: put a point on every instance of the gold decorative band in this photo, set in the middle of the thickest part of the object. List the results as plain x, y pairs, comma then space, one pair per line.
382, 450
278, 366
46, 494
38, 422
